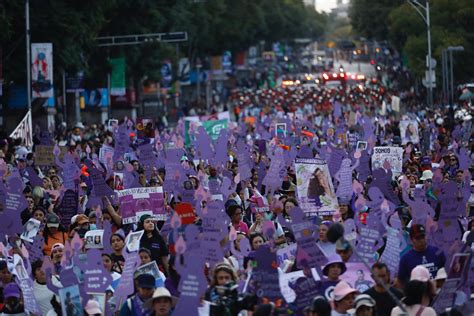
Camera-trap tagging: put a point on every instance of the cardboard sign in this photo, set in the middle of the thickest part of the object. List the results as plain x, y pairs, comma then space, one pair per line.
44, 155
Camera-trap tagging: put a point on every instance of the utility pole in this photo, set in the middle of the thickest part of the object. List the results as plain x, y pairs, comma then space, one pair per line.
28, 53
426, 18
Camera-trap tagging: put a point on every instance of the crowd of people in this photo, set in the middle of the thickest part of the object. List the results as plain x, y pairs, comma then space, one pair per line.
228, 226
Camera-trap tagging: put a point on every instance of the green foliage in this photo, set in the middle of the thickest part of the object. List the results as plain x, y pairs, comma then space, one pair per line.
213, 26
451, 25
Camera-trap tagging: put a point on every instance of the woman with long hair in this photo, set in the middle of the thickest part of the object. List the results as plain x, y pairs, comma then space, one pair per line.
418, 294
153, 241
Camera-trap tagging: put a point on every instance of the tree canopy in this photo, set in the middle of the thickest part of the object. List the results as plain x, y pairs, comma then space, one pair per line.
213, 27
451, 25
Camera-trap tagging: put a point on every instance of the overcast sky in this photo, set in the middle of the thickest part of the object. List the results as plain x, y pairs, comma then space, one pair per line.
325, 5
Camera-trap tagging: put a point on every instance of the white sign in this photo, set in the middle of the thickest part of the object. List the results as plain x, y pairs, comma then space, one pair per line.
394, 156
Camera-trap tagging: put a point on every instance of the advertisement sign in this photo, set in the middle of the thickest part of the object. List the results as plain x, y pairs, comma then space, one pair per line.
166, 74
96, 97
212, 127
184, 68
117, 78
75, 82
42, 70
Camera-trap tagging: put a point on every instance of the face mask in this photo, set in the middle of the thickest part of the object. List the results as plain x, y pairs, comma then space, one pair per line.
93, 226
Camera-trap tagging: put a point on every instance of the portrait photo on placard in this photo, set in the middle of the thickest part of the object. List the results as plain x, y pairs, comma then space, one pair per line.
133, 241
30, 229
99, 298
458, 265
70, 298
361, 145
94, 239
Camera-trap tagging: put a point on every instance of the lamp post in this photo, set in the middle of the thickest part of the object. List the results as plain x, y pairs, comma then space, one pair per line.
426, 18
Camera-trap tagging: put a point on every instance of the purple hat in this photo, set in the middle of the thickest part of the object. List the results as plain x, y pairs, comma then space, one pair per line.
334, 258
11, 290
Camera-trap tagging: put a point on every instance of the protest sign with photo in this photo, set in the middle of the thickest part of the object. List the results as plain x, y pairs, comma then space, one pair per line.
30, 229
152, 268
409, 132
136, 200
94, 239
315, 190
394, 155
133, 241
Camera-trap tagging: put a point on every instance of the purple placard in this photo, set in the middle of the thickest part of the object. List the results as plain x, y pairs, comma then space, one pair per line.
303, 232
126, 286
141, 200
69, 207
391, 253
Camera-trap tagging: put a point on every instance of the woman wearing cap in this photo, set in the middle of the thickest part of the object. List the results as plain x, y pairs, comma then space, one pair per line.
53, 233
92, 308
161, 302
343, 296
13, 304
365, 305
418, 294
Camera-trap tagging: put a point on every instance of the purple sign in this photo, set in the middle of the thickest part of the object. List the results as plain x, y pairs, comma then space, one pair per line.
139, 201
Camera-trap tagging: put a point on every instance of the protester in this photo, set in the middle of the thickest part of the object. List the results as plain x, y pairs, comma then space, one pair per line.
365, 305
161, 303
319, 307
384, 300
421, 253
418, 294
42, 294
343, 299
153, 241
391, 187
13, 304
135, 305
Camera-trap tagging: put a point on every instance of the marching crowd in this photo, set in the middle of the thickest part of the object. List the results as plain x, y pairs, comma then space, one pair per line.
218, 258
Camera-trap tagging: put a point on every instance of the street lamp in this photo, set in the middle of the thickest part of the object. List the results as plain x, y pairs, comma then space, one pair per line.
426, 17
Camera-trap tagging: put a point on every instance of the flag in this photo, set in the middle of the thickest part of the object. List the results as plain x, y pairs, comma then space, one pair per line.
42, 70
24, 130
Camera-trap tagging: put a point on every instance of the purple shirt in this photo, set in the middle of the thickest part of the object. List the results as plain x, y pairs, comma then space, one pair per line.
432, 258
